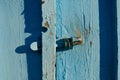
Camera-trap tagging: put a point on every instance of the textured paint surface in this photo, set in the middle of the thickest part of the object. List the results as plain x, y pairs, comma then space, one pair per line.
78, 18
20, 25
13, 66
49, 40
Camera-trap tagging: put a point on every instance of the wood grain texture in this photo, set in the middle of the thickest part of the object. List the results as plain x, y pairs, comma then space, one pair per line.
78, 18
118, 30
13, 66
49, 40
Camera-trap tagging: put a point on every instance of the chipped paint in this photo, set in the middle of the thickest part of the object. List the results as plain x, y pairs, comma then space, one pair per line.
51, 33
49, 40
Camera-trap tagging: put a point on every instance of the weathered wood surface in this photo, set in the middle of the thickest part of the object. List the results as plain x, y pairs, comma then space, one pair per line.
13, 66
78, 18
49, 40
20, 24
118, 30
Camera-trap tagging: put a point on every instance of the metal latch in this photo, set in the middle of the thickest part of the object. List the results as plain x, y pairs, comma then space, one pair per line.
61, 44
67, 43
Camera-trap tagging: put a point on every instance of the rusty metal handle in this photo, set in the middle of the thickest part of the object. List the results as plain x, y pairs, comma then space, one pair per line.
67, 43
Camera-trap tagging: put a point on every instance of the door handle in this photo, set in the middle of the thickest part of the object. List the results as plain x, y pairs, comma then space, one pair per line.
65, 43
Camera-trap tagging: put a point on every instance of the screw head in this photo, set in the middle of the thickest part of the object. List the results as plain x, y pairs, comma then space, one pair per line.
34, 46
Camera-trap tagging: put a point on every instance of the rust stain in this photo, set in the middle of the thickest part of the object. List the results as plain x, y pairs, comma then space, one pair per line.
78, 36
91, 43
77, 33
47, 24
80, 41
51, 33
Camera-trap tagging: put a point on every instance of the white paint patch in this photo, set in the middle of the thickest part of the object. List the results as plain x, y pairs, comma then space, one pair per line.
34, 46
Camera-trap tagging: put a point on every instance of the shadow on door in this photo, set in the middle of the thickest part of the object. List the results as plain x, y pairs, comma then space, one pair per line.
108, 39
33, 26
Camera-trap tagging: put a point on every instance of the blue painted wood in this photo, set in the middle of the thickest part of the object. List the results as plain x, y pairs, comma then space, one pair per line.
13, 66
118, 30
108, 39
78, 18
20, 25
49, 40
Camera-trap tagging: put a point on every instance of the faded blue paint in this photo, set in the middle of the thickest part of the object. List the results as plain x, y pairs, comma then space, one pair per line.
78, 18
118, 30
13, 66
20, 25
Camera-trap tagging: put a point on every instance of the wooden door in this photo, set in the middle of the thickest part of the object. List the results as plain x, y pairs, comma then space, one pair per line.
73, 19
78, 18
94, 22
20, 25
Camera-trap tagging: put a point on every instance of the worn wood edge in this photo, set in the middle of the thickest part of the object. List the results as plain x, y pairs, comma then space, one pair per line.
49, 40
95, 14
118, 32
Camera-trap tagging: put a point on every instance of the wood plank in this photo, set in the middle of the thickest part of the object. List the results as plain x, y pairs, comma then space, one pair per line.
78, 18
118, 30
108, 44
49, 39
13, 66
